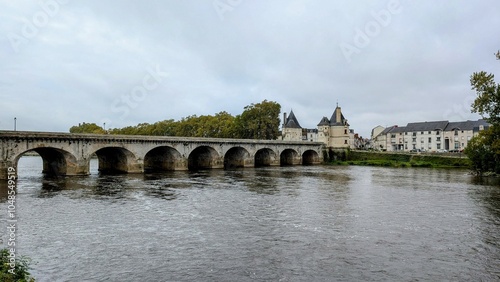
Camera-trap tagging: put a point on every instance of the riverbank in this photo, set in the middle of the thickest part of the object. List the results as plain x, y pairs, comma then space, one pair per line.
368, 158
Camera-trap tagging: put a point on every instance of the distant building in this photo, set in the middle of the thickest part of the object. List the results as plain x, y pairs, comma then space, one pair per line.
427, 136
291, 129
334, 132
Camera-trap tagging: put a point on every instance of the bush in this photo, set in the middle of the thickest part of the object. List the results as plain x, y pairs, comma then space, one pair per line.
19, 273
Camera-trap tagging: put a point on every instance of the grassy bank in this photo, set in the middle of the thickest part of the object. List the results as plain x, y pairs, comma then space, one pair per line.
399, 160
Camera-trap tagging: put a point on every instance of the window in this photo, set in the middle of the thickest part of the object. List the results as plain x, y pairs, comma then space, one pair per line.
463, 137
345, 141
457, 145
414, 134
438, 146
429, 132
421, 132
406, 133
456, 132
430, 140
437, 132
345, 131
414, 140
438, 139
393, 135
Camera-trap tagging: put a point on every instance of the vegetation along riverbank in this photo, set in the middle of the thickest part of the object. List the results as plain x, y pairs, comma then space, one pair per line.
386, 159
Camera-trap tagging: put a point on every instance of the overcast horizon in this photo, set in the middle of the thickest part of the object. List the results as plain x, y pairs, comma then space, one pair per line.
128, 62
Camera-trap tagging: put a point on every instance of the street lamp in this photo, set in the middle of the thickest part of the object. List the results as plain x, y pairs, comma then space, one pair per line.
15, 124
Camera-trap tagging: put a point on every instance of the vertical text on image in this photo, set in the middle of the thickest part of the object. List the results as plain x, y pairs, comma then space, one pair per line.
11, 220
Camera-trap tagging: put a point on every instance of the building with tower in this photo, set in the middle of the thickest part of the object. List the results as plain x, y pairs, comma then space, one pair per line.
334, 132
291, 129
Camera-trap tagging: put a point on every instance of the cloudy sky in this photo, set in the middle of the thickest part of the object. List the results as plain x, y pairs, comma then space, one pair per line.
125, 62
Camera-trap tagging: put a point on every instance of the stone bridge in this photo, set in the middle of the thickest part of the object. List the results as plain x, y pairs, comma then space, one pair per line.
70, 154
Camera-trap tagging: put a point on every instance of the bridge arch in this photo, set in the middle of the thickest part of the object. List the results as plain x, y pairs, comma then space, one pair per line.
310, 157
162, 158
203, 157
114, 160
264, 157
289, 157
56, 162
235, 157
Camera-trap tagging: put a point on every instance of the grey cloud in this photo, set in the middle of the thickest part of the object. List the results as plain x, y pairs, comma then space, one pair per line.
89, 54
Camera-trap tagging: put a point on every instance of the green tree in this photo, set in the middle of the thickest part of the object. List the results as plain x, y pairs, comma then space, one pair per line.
484, 149
487, 102
87, 128
19, 273
165, 128
259, 121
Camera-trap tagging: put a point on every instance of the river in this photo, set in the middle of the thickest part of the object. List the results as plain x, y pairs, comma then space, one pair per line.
301, 223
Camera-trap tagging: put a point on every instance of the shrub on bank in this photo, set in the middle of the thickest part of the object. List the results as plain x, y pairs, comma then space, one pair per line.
398, 160
19, 273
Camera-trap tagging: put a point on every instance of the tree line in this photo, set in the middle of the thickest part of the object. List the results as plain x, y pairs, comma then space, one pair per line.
257, 121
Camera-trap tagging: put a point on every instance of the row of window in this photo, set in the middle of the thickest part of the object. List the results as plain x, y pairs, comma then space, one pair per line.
438, 139
422, 132
438, 146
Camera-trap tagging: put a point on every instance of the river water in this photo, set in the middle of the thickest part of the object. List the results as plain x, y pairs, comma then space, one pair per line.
313, 223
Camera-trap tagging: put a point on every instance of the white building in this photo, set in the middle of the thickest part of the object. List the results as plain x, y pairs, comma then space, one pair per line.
427, 136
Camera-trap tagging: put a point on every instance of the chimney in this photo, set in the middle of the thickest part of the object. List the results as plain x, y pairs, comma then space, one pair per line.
338, 114
284, 119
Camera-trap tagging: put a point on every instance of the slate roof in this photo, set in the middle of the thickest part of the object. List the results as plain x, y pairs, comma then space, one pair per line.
399, 129
467, 125
324, 121
333, 119
388, 130
291, 121
426, 126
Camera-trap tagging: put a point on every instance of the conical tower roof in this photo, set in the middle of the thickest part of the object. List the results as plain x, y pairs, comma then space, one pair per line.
324, 121
337, 117
291, 121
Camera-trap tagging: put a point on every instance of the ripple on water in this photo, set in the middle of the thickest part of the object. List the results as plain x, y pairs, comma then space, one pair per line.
279, 224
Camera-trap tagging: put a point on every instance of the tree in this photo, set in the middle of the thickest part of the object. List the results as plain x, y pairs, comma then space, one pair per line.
18, 273
487, 103
87, 128
484, 149
259, 121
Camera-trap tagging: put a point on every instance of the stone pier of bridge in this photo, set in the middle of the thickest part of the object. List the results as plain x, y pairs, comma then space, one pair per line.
66, 154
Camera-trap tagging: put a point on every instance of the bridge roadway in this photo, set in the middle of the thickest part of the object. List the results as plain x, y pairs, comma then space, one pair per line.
70, 154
